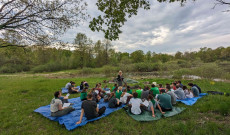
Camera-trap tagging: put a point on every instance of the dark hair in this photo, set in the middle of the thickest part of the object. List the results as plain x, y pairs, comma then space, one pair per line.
89, 96
162, 90
190, 84
160, 85
128, 87
174, 83
150, 97
168, 87
115, 84
56, 94
72, 83
135, 95
184, 87
153, 85
179, 82
85, 89
177, 86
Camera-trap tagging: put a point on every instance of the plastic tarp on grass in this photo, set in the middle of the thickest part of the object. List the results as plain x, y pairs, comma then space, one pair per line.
147, 116
127, 80
70, 119
64, 90
191, 101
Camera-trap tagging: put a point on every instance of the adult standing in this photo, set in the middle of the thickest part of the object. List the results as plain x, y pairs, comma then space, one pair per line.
120, 78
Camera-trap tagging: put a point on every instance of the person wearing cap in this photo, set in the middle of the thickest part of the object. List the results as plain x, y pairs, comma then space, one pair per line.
164, 101
154, 90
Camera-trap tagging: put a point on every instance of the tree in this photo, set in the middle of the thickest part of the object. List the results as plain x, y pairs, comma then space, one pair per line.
107, 46
137, 56
82, 44
178, 55
40, 20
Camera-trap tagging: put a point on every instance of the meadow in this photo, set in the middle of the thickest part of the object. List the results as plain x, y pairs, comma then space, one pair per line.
21, 95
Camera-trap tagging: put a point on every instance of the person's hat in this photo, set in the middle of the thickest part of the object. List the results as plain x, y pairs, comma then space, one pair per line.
155, 83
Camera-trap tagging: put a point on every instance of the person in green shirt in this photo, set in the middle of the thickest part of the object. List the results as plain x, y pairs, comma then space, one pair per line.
129, 90
139, 91
119, 92
84, 94
115, 87
154, 90
164, 101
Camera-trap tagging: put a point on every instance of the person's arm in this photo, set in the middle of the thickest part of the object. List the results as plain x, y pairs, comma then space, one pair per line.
65, 97
82, 113
60, 107
97, 109
118, 101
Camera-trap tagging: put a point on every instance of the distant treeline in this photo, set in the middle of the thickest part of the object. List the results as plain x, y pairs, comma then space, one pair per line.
95, 55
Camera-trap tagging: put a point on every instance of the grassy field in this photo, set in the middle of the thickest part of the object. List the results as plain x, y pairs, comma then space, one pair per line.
20, 96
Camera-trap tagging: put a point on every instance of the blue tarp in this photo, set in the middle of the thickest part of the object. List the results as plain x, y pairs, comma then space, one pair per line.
70, 119
191, 101
64, 90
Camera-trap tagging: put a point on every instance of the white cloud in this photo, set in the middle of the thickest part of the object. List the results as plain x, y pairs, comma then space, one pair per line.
160, 35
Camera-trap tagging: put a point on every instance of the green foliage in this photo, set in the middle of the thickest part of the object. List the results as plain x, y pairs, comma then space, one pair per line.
147, 67
49, 67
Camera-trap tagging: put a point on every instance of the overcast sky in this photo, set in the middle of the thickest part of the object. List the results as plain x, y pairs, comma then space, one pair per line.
166, 28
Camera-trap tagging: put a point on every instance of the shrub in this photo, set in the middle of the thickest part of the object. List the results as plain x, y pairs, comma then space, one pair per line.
49, 67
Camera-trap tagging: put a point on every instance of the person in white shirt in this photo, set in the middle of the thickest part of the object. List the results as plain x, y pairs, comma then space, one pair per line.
135, 105
124, 96
188, 93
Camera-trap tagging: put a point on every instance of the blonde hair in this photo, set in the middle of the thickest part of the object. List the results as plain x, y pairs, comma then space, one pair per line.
120, 88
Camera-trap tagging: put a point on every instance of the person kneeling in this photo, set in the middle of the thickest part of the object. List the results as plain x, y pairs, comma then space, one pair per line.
56, 106
90, 108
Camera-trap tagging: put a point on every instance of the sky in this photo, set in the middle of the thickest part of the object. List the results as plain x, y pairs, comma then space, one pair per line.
166, 28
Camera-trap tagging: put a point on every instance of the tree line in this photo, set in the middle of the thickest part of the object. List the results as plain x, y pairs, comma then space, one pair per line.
88, 54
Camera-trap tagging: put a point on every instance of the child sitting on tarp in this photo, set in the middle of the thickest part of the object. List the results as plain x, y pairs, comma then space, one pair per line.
145, 93
154, 90
179, 93
125, 97
68, 85
84, 94
188, 93
115, 88
194, 89
139, 91
119, 92
90, 109
96, 97
172, 94
164, 101
56, 106
150, 104
106, 89
113, 101
135, 105
72, 89
129, 90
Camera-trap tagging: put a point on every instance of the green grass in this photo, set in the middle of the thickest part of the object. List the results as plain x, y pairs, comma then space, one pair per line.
20, 96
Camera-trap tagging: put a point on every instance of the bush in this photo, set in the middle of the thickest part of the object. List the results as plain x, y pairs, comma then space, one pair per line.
13, 68
179, 73
209, 70
49, 67
147, 67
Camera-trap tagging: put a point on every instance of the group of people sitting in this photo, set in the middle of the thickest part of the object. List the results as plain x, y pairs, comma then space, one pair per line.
146, 99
